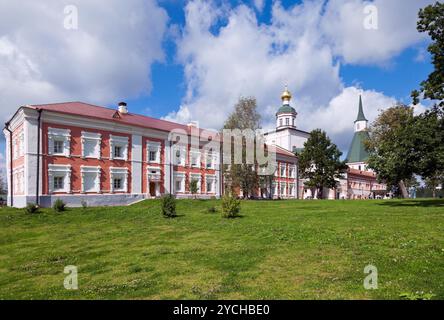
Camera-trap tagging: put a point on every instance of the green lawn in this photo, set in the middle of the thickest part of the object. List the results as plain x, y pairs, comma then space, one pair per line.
276, 250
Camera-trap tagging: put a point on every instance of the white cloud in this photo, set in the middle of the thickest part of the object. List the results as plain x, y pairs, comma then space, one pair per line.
301, 47
107, 59
343, 26
259, 4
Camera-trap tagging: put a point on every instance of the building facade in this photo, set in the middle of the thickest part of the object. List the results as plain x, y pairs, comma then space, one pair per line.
82, 153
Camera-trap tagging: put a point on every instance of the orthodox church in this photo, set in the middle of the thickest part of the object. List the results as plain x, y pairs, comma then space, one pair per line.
359, 182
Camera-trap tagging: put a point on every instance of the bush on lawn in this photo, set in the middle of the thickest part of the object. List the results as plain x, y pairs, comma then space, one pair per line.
31, 208
230, 206
212, 209
59, 205
168, 206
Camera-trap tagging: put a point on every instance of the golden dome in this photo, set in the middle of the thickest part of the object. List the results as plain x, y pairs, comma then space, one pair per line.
286, 95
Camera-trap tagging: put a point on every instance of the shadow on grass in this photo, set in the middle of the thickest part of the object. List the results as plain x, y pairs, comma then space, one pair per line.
414, 203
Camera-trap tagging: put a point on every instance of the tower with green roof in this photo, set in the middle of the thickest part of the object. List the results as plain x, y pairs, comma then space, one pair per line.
357, 156
286, 115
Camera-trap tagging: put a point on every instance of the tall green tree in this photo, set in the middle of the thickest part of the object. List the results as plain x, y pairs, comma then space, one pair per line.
243, 176
431, 21
391, 149
426, 134
320, 162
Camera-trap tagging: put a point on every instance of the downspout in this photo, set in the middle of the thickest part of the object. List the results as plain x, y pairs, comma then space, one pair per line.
297, 179
171, 167
39, 124
11, 168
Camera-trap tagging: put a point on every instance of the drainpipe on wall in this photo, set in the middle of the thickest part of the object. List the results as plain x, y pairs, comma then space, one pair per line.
39, 125
297, 180
11, 168
171, 167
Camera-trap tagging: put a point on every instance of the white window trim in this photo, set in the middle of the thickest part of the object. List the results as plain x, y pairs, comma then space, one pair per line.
116, 173
214, 160
179, 176
195, 153
157, 176
92, 137
293, 186
59, 171
119, 141
213, 179
156, 147
283, 189
283, 166
64, 135
183, 155
275, 189
84, 170
198, 177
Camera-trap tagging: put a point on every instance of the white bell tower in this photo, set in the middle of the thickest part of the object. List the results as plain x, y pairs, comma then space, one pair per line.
286, 115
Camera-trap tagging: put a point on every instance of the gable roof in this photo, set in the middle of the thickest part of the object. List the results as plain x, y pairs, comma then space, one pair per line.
357, 152
102, 113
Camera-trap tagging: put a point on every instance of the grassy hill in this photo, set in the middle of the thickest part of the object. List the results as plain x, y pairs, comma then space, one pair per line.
275, 250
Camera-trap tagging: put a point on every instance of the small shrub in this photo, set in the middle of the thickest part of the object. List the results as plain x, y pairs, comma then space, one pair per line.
31, 208
194, 188
168, 206
212, 209
59, 205
230, 206
84, 204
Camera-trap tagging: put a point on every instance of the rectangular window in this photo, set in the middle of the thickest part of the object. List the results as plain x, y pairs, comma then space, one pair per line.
58, 147
178, 185
282, 171
118, 152
209, 186
152, 156
287, 121
280, 122
118, 185
195, 158
58, 183
209, 161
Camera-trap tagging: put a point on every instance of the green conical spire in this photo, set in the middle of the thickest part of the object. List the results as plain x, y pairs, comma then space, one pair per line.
361, 116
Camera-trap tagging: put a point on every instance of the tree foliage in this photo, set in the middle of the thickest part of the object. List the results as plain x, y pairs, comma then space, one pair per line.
389, 147
402, 145
194, 187
243, 176
431, 21
320, 162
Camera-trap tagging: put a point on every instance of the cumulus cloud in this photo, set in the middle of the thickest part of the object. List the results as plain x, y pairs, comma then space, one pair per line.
303, 46
345, 24
106, 59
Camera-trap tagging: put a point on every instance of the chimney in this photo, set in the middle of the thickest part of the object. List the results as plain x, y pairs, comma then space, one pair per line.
193, 124
123, 109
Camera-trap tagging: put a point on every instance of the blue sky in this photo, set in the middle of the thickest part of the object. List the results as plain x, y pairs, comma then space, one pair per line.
192, 60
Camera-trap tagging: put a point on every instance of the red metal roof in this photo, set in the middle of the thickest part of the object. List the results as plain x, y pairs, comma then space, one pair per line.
102, 113
107, 114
